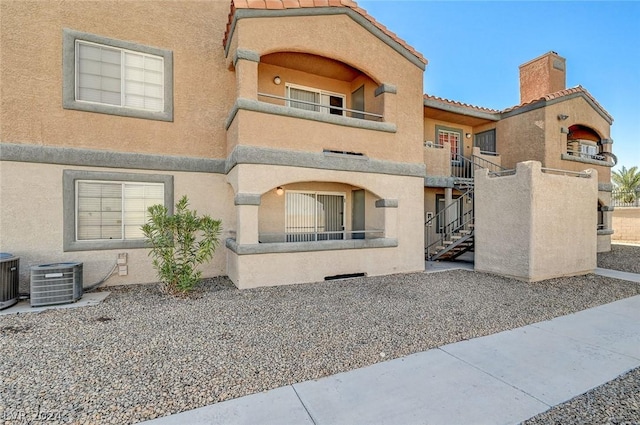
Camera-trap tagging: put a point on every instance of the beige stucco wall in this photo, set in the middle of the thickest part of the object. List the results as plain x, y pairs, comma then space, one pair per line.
521, 138
552, 232
31, 74
438, 160
268, 269
31, 220
377, 60
626, 224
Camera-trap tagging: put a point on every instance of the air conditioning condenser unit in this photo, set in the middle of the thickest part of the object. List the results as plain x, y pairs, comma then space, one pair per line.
58, 283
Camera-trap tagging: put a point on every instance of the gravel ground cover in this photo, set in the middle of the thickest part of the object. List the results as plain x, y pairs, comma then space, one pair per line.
625, 258
140, 355
614, 403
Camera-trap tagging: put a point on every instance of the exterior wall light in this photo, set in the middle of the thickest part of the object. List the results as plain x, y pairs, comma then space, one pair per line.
467, 135
277, 80
562, 117
279, 190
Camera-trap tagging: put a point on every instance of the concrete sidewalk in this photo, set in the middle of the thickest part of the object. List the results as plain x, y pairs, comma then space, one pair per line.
503, 378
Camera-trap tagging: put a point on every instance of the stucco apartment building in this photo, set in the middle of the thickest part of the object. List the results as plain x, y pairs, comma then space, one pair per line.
302, 125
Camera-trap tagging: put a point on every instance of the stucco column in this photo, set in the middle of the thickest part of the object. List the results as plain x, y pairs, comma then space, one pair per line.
246, 65
390, 217
247, 207
388, 93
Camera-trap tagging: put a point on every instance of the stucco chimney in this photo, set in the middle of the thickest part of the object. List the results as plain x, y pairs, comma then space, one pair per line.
542, 75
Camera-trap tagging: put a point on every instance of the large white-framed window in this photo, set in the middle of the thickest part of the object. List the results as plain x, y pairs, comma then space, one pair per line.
105, 210
314, 216
312, 99
120, 77
114, 210
116, 77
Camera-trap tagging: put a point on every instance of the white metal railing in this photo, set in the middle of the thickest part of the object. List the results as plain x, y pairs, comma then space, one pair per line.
321, 106
580, 154
317, 236
430, 144
566, 172
625, 198
489, 153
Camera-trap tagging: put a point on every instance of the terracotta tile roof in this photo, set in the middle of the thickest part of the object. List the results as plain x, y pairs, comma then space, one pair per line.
461, 104
547, 97
299, 4
559, 94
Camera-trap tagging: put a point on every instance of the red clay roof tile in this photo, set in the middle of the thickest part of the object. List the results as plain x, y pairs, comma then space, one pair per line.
464, 105
296, 4
559, 94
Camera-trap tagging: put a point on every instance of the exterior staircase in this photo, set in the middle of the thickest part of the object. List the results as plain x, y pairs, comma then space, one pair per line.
455, 222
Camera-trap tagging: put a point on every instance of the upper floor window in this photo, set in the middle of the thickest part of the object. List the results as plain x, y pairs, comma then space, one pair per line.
116, 77
453, 138
317, 100
119, 77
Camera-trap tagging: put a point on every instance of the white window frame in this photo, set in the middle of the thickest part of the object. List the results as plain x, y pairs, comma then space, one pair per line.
71, 38
123, 79
123, 208
70, 206
316, 193
449, 133
323, 106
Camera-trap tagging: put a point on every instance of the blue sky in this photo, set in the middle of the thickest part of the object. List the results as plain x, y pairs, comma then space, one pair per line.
474, 49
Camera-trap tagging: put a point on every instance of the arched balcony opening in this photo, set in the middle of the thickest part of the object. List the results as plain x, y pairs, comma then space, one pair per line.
584, 142
310, 82
319, 211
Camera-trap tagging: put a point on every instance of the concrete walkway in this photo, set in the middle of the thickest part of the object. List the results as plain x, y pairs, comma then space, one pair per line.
503, 378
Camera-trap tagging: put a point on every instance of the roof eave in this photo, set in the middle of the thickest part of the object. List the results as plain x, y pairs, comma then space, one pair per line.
420, 62
541, 103
461, 110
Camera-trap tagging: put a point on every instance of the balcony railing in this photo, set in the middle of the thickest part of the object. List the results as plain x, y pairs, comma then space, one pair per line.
597, 157
319, 236
625, 198
322, 108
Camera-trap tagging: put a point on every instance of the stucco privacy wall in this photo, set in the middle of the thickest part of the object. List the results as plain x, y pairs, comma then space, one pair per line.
31, 72
626, 224
551, 220
31, 220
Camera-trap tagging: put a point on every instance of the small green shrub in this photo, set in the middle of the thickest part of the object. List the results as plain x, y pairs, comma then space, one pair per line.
179, 244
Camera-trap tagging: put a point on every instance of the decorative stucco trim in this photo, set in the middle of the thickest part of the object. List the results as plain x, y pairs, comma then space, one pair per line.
607, 141
285, 111
291, 247
69, 101
439, 181
386, 88
574, 158
443, 106
319, 11
387, 203
607, 208
99, 158
319, 160
69, 178
247, 199
605, 187
605, 232
245, 54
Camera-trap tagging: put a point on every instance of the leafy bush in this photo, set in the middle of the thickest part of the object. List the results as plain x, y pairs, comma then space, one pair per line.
179, 244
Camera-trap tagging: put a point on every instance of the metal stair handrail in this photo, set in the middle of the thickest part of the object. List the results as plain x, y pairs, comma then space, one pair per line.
447, 230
